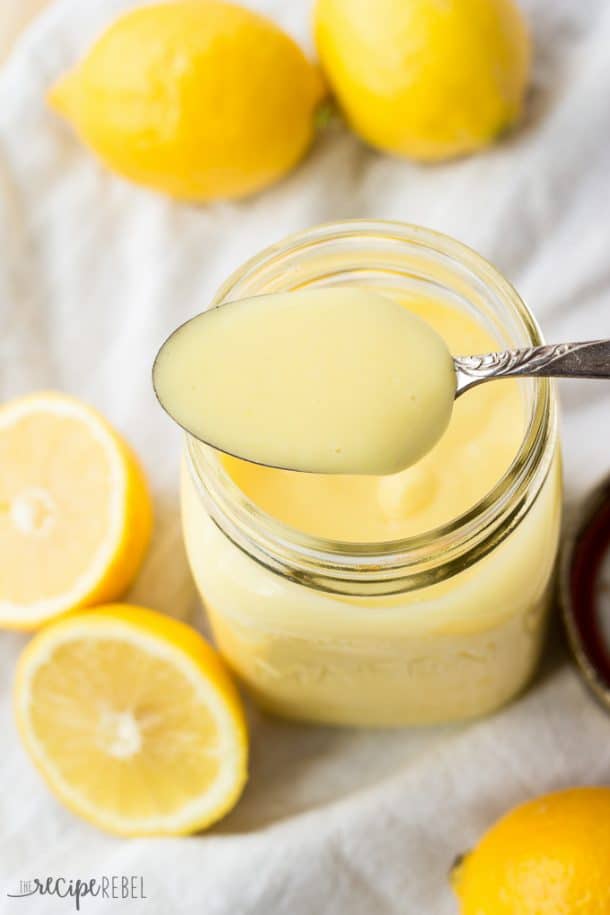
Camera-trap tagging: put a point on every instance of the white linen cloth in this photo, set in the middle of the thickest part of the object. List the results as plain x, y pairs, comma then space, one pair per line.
95, 272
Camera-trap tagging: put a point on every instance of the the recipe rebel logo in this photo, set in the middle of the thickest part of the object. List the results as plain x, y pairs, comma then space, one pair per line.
125, 887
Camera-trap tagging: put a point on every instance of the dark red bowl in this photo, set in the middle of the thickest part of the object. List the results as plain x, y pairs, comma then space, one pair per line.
581, 596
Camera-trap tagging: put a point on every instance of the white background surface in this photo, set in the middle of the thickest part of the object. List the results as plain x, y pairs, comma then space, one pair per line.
13, 18
94, 273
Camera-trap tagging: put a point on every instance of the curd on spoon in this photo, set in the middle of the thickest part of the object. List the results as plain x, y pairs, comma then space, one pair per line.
335, 380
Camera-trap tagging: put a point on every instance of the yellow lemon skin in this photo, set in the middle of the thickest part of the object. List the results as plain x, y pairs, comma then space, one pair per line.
133, 721
550, 856
199, 99
426, 79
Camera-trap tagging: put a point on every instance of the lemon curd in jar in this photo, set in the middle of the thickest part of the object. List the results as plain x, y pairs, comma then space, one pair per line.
416, 597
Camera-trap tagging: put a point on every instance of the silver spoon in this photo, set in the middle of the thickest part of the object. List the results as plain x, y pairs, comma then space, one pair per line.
560, 360
577, 360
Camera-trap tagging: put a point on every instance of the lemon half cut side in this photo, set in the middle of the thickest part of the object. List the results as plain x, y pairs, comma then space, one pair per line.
75, 509
133, 721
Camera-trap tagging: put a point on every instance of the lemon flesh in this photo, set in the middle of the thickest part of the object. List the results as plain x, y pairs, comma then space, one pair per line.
548, 856
133, 721
423, 78
75, 510
200, 99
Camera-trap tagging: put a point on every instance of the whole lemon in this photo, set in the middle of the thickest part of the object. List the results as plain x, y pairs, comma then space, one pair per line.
428, 79
550, 856
200, 99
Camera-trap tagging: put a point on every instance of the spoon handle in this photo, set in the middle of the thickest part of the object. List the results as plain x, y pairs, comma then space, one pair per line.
559, 360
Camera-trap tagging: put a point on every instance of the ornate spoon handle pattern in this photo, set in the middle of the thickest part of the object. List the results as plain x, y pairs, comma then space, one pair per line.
561, 360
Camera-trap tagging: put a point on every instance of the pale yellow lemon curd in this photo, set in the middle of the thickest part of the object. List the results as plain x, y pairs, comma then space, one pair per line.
338, 380
453, 647
476, 450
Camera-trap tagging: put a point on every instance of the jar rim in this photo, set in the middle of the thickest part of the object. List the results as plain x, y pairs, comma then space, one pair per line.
390, 566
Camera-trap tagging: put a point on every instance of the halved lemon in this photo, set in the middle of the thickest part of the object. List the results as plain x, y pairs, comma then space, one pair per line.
75, 510
133, 721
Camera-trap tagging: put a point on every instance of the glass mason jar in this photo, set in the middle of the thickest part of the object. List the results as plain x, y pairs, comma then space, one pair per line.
442, 626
